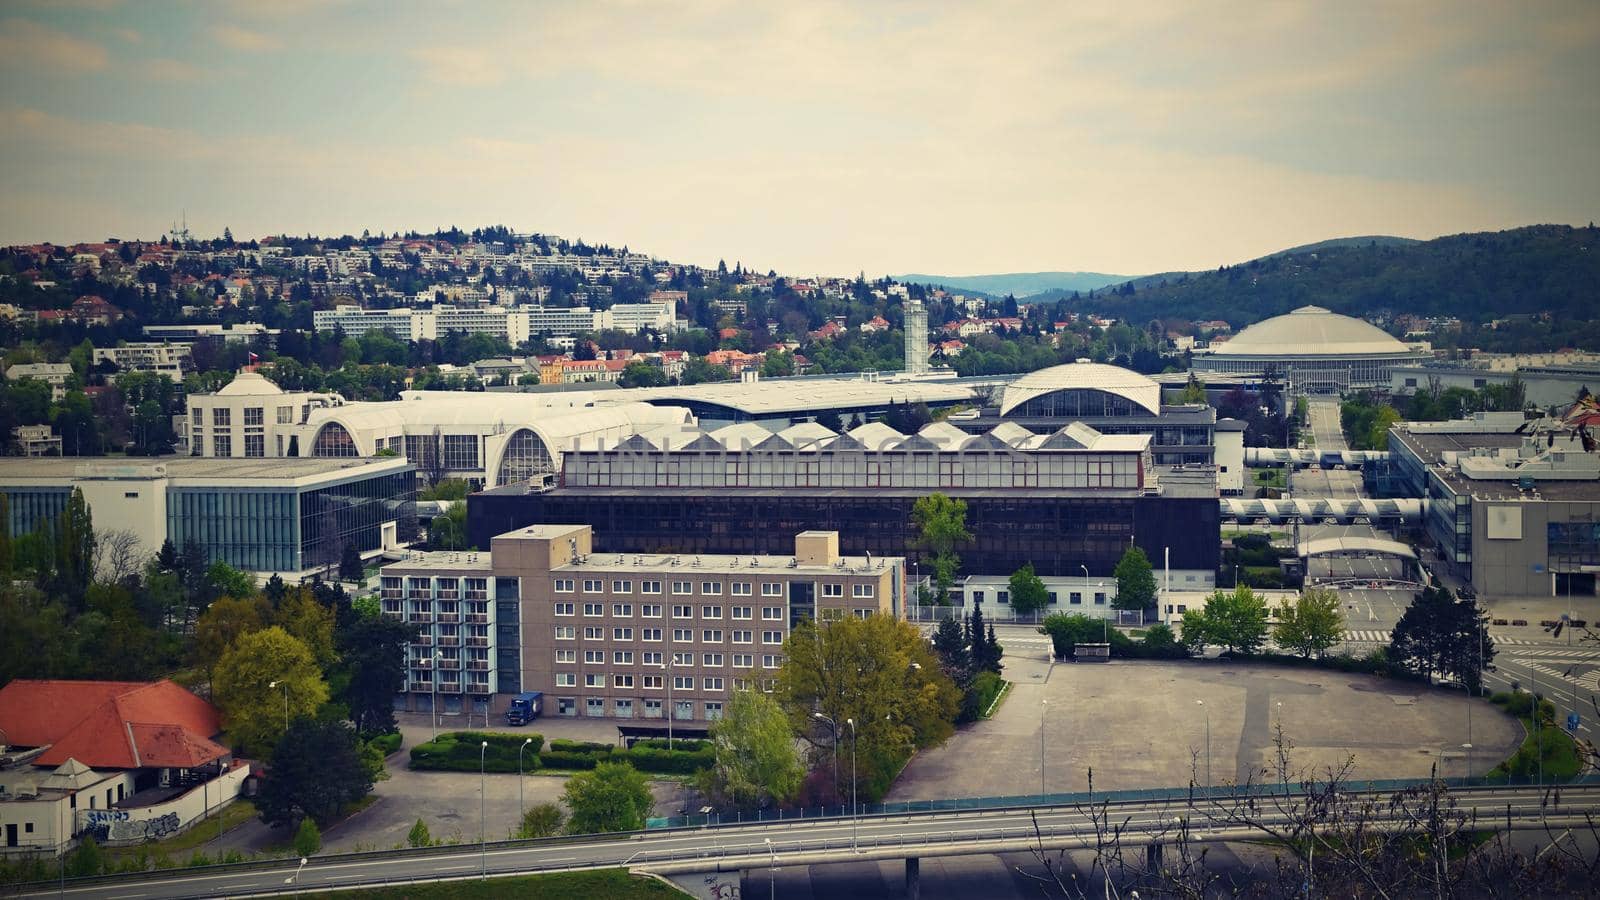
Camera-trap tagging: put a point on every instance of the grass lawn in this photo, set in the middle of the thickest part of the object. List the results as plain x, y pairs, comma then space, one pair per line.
233, 815
994, 707
1268, 478
613, 884
1561, 757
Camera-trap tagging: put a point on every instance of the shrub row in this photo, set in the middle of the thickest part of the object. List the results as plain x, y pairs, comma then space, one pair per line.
458, 751
388, 743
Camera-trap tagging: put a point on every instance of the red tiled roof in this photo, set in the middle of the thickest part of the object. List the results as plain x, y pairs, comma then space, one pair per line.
111, 724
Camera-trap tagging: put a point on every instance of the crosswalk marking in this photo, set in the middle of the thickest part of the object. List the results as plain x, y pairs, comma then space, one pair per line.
1366, 637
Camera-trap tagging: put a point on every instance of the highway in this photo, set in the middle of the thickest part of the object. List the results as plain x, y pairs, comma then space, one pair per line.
793, 843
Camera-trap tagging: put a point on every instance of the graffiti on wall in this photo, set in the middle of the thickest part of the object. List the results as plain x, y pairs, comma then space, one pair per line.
117, 825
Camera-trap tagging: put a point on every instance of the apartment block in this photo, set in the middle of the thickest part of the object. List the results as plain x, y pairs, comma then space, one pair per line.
625, 636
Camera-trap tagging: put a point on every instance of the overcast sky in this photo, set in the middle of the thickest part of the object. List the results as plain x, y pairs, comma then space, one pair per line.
810, 137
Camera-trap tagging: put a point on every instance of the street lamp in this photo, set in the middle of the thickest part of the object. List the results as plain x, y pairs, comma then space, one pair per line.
285, 686
438, 657
483, 834
855, 809
295, 877
524, 746
1207, 709
1042, 705
835, 726
772, 871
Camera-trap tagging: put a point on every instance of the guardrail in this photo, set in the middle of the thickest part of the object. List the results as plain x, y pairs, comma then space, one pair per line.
932, 808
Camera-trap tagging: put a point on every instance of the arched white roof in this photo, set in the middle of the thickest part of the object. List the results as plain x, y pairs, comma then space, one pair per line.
1311, 331
807, 433
741, 435
249, 384
945, 435
1082, 375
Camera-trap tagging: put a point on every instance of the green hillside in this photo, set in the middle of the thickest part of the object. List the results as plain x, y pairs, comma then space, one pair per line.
1477, 277
1020, 284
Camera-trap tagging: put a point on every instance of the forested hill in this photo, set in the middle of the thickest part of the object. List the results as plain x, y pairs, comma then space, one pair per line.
1476, 277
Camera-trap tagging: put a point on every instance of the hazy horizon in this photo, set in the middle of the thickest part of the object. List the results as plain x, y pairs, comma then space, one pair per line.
815, 138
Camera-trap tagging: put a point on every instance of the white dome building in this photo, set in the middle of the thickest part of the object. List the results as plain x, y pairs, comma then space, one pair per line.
1317, 350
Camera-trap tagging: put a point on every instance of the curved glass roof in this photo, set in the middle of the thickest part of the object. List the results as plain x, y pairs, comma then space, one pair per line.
1083, 375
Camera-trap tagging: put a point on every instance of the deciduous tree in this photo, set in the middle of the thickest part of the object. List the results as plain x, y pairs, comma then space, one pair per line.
1310, 624
316, 773
758, 762
1234, 620
941, 529
252, 710
1136, 581
612, 797
223, 623
1028, 592
881, 673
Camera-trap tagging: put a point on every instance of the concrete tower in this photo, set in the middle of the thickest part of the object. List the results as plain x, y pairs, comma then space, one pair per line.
916, 331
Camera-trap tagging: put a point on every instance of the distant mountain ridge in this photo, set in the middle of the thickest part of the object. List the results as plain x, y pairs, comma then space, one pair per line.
1018, 284
1476, 276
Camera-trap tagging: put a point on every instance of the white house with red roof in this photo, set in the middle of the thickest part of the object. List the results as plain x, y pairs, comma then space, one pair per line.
124, 761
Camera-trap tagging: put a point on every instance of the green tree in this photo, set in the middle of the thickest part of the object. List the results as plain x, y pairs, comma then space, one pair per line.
419, 836
85, 861
252, 710
614, 796
1378, 434
1311, 624
1193, 392
1195, 639
373, 656
310, 623
639, 373
74, 551
223, 623
758, 762
1136, 581
941, 529
307, 838
1028, 593
777, 363
317, 773
226, 581
877, 671
1441, 635
449, 531
542, 820
350, 568
1235, 620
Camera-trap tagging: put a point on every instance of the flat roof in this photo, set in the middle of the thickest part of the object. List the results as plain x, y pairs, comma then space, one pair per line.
723, 564
1430, 445
185, 468
521, 489
441, 560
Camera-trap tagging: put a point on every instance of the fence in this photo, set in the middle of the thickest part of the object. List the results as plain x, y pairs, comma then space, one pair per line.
1086, 798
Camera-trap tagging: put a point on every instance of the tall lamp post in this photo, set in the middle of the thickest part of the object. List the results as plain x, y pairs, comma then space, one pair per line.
285, 686
483, 834
772, 871
1207, 709
438, 657
1043, 704
835, 726
855, 809
524, 746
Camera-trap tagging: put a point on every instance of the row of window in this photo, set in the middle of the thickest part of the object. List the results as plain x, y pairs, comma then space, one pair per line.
707, 588
655, 610
657, 658
595, 707
655, 635
222, 416
647, 682
1074, 598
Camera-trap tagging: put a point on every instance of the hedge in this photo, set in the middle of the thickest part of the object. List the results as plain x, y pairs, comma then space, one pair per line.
651, 755
458, 751
388, 743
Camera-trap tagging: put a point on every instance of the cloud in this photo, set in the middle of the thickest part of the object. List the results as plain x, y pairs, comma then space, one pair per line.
26, 45
244, 39
130, 35
462, 66
169, 70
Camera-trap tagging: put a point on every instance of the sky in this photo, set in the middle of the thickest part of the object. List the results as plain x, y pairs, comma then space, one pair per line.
811, 137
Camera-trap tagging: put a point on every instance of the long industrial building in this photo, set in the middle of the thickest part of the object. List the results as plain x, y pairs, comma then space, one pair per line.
1069, 503
1312, 350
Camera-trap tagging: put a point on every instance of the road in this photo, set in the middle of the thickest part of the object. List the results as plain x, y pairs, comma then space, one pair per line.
759, 845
